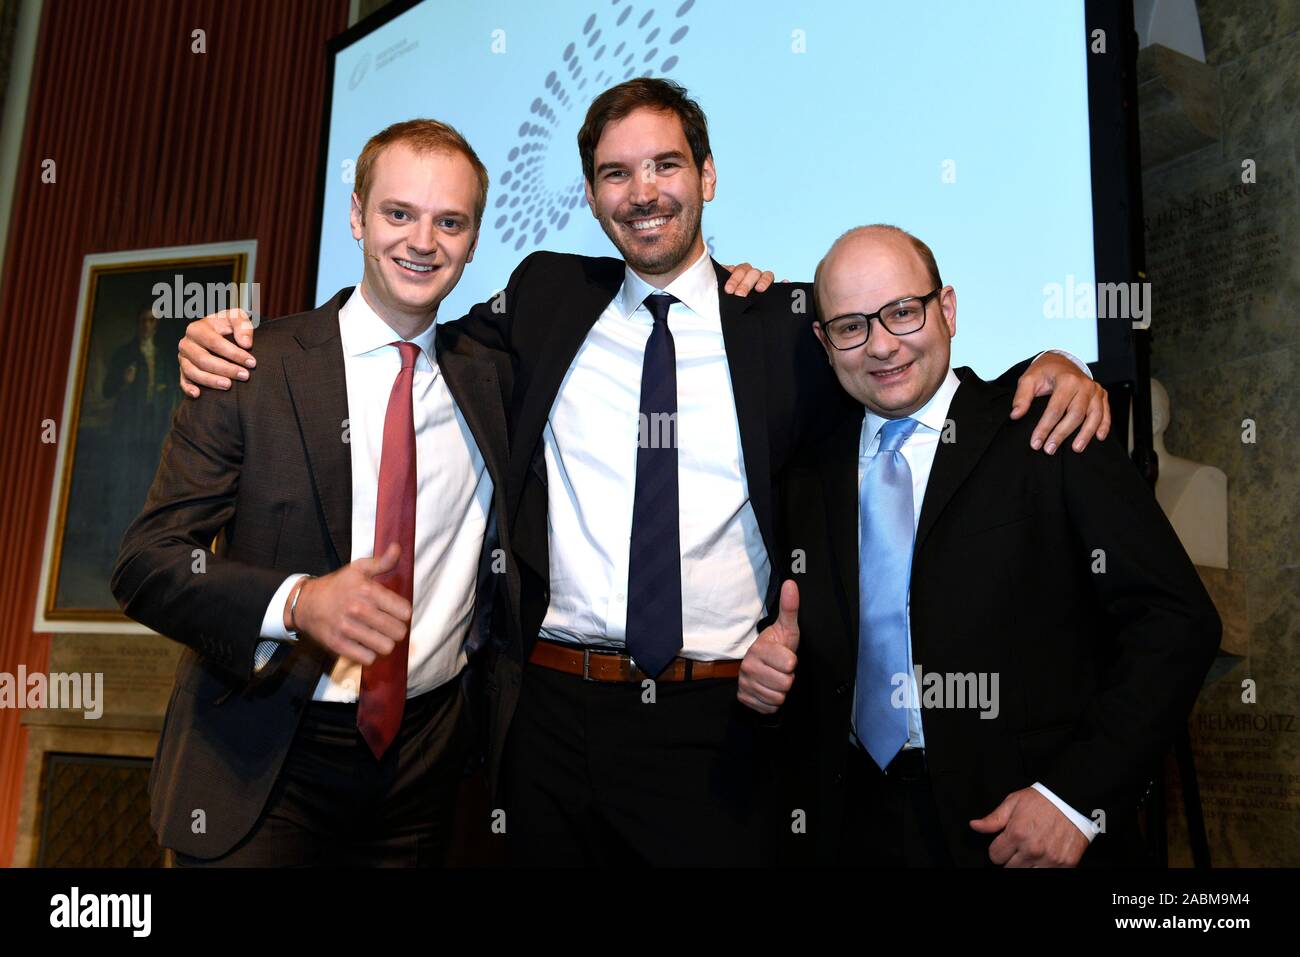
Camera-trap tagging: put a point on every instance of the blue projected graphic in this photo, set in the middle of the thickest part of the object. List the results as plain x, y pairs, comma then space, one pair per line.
602, 57
966, 124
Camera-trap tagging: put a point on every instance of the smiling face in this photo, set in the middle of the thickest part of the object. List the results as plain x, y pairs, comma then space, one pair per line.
648, 194
418, 232
892, 376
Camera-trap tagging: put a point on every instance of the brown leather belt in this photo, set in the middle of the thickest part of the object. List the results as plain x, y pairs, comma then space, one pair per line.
611, 666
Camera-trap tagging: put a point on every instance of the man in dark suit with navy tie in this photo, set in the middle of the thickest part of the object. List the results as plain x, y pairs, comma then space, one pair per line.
994, 647
652, 411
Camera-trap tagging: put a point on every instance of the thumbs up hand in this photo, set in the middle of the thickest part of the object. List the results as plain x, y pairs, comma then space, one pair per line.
767, 671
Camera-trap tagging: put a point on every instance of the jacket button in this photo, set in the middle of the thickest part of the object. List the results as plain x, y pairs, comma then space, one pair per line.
837, 779
842, 689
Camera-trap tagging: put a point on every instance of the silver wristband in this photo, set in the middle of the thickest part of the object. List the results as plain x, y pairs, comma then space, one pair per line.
293, 606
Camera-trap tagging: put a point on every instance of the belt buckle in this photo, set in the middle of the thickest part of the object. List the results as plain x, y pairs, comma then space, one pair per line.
586, 665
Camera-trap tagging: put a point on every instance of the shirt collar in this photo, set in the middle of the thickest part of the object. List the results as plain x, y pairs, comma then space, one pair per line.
932, 415
362, 331
697, 288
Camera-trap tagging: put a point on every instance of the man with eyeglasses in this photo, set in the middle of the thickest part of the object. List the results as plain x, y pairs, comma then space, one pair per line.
997, 645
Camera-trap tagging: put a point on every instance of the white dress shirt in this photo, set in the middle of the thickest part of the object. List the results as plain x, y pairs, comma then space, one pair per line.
919, 451
590, 443
453, 499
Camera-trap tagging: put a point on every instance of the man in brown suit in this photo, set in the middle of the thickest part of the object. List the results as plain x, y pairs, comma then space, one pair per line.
318, 714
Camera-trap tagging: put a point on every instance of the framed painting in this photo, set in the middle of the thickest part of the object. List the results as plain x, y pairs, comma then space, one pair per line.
122, 388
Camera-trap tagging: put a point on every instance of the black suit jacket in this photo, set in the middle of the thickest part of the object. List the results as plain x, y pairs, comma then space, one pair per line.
264, 467
783, 388
1096, 668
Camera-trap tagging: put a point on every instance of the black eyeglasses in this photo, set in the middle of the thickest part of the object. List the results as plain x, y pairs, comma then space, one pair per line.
900, 318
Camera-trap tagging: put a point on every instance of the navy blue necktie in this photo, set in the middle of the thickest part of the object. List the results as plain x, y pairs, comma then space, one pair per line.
654, 571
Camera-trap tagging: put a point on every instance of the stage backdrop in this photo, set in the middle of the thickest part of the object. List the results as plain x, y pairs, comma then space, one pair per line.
965, 123
136, 139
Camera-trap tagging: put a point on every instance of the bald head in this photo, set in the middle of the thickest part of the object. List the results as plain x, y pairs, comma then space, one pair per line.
860, 238
893, 373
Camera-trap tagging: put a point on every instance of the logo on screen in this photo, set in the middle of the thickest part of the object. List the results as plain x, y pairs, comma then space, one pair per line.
359, 72
542, 180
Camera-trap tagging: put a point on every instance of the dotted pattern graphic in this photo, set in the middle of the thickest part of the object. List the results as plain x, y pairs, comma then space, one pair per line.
630, 39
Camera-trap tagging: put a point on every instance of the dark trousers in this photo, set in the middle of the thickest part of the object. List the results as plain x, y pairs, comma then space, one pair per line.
596, 775
335, 805
888, 821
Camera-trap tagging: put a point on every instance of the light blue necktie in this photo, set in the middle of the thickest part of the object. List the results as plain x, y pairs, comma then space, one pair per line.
884, 570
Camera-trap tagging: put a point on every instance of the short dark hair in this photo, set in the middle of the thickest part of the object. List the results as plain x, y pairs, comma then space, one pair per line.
649, 93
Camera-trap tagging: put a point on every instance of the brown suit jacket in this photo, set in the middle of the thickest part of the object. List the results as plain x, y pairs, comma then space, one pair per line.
264, 470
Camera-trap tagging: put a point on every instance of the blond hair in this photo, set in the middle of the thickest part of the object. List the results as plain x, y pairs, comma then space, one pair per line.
422, 136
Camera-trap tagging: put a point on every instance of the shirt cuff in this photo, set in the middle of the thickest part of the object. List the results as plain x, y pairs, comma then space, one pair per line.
263, 654
1083, 366
1089, 828
273, 624
273, 621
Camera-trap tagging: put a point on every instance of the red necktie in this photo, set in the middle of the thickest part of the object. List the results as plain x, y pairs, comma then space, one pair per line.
383, 684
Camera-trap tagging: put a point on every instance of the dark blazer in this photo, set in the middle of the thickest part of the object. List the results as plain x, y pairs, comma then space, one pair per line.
782, 383
263, 467
1096, 668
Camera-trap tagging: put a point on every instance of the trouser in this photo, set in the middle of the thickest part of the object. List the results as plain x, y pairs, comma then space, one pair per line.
603, 774
890, 820
334, 804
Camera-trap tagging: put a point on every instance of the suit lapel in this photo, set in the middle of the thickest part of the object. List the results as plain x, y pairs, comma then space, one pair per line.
976, 420
839, 471
474, 386
318, 388
742, 335
575, 312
